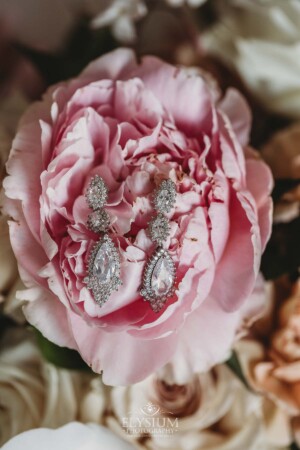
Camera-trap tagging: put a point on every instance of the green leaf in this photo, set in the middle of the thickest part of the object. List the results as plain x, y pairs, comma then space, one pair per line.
60, 356
234, 364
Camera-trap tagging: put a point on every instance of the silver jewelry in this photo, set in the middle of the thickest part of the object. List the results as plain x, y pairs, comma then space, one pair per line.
160, 274
104, 260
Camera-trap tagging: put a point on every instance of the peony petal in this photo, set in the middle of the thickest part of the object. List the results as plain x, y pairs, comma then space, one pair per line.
47, 314
133, 360
207, 324
175, 88
260, 184
235, 280
239, 114
114, 65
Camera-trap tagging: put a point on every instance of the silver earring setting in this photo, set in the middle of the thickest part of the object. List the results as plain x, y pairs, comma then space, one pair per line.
160, 274
104, 260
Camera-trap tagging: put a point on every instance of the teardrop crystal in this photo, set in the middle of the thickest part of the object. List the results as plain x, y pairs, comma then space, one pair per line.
162, 277
104, 264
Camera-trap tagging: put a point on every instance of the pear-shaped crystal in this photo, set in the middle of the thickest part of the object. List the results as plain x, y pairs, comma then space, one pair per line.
104, 264
162, 277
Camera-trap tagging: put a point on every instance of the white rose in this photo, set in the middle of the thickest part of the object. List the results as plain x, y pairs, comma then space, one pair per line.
214, 410
120, 15
75, 436
261, 40
94, 400
34, 393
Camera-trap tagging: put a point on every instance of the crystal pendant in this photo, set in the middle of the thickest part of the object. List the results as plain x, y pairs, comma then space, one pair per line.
103, 270
162, 277
159, 279
104, 264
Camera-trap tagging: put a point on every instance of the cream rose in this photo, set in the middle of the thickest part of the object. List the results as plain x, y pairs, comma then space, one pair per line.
34, 393
214, 411
260, 40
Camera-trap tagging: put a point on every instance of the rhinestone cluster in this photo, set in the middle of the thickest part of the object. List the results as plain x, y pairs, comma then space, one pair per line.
104, 261
98, 221
165, 196
97, 193
159, 229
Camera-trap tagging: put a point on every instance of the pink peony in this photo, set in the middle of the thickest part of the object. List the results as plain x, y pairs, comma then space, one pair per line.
135, 124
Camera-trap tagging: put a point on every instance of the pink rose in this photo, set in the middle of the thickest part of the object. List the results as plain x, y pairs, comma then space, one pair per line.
135, 124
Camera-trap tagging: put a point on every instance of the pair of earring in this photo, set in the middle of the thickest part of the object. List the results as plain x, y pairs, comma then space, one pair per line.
104, 260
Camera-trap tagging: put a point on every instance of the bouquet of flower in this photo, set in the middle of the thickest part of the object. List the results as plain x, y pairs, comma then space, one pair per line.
150, 223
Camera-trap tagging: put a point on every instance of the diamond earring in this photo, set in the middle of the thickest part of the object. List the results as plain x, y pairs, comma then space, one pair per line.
104, 260
159, 274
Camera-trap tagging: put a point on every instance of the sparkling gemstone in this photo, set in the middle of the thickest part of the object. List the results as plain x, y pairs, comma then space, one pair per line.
165, 196
159, 228
96, 194
98, 221
162, 277
104, 264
